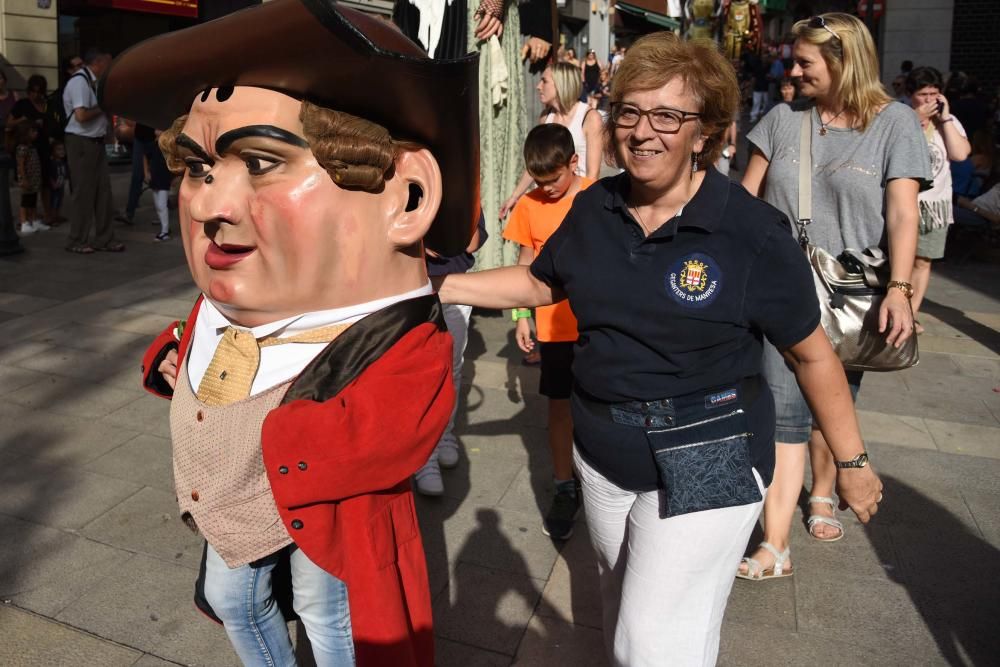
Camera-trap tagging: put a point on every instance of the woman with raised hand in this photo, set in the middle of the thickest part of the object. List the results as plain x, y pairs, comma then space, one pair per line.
868, 161
676, 274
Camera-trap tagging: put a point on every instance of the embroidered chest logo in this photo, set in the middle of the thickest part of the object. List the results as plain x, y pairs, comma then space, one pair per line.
694, 281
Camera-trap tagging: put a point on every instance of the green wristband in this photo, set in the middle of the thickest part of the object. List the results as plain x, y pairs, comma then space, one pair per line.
519, 314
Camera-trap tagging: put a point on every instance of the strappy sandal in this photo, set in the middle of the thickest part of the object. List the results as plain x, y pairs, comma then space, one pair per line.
114, 246
756, 572
816, 519
80, 249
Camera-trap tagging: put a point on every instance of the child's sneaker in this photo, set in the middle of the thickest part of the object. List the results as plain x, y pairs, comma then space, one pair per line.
27, 228
41, 226
558, 523
162, 237
428, 478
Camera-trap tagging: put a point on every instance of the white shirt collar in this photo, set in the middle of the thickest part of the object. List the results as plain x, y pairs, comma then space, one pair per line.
291, 326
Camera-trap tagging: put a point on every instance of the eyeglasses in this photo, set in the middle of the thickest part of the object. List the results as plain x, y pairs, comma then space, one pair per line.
818, 22
661, 119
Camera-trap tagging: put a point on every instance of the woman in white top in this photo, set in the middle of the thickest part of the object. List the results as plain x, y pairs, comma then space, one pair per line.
559, 91
946, 141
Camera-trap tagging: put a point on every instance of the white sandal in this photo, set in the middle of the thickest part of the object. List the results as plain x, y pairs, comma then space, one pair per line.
815, 519
755, 572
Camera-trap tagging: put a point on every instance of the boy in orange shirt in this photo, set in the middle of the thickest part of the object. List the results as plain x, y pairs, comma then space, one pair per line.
551, 160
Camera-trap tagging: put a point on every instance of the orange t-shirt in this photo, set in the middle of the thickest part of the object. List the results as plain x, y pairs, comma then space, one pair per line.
532, 222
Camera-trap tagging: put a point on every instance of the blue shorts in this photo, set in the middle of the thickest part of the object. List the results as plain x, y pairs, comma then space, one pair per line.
793, 420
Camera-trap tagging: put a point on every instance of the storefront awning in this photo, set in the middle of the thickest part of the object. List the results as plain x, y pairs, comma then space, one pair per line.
655, 18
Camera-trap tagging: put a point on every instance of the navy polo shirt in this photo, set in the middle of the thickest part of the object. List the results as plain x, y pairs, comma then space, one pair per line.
686, 308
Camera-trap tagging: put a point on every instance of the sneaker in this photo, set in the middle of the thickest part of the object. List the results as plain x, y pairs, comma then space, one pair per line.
162, 237
447, 451
27, 228
558, 523
41, 226
428, 479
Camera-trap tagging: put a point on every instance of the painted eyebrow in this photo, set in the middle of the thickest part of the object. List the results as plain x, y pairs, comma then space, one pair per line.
193, 146
223, 143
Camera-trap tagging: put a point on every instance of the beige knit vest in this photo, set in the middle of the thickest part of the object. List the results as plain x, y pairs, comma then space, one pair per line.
219, 472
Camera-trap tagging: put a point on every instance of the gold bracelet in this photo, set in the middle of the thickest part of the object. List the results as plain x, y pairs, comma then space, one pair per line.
906, 288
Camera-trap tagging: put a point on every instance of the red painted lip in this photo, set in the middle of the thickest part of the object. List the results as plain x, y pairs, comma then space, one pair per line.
226, 255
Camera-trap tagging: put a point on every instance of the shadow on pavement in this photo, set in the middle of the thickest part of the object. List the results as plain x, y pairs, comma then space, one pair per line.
954, 317
949, 572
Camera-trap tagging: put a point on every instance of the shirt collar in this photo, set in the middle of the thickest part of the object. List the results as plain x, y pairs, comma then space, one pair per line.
704, 211
291, 326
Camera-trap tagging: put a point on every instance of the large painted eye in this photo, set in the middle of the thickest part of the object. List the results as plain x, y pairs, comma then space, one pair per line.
196, 168
258, 165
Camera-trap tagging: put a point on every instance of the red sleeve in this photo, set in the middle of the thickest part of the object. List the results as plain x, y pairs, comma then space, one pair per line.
372, 435
152, 380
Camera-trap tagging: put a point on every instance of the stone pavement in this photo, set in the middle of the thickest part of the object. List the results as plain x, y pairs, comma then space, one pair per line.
95, 568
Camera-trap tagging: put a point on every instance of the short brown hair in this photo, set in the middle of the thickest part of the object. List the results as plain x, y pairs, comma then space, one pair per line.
357, 153
547, 148
656, 59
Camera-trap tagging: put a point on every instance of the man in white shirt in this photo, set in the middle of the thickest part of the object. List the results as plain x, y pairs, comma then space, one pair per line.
85, 130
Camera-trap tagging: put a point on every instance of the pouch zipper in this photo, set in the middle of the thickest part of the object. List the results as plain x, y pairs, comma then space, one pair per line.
738, 411
748, 434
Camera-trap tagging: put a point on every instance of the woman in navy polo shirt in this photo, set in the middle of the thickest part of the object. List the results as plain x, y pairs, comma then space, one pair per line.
676, 276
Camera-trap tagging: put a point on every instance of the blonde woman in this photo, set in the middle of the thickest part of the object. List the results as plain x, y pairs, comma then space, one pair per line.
868, 157
559, 91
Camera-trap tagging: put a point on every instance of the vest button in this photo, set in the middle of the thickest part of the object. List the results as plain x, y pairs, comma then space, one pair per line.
283, 470
200, 416
296, 524
194, 496
302, 465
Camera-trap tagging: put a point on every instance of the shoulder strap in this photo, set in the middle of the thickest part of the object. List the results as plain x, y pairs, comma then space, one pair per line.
805, 176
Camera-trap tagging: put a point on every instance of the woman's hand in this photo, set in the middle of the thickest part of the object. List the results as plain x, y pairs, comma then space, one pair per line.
942, 109
535, 49
895, 318
860, 489
522, 334
488, 27
927, 111
506, 207
168, 368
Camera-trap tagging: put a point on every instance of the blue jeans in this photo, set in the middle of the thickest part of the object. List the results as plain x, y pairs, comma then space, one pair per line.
241, 598
794, 420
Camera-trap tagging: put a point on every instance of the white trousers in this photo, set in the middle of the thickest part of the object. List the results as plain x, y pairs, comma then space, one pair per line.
664, 582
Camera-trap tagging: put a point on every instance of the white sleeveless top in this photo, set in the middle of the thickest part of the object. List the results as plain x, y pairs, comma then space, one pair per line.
575, 128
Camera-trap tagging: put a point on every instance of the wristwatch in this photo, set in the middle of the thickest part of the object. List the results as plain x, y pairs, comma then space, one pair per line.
907, 288
859, 461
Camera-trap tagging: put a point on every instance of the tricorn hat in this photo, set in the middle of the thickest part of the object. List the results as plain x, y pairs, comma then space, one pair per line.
334, 57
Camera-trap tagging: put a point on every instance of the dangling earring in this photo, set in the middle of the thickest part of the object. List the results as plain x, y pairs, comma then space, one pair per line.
694, 162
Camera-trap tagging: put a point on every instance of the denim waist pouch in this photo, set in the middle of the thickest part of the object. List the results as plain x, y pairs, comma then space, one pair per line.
701, 445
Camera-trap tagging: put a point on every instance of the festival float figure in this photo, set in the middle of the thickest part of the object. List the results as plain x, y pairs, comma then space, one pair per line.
741, 29
702, 16
313, 376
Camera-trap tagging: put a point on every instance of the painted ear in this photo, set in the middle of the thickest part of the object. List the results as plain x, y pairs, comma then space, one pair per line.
416, 188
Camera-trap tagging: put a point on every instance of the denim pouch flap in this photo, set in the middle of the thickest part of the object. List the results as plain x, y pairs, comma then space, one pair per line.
705, 465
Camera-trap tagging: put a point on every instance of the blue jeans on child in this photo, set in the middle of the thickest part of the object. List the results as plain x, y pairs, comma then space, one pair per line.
241, 598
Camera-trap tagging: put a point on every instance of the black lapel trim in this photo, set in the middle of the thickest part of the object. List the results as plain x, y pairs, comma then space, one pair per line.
351, 353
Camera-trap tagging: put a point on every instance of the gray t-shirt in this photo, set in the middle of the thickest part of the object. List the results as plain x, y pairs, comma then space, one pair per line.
850, 170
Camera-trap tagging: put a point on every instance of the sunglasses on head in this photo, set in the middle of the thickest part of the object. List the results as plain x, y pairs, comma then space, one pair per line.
818, 22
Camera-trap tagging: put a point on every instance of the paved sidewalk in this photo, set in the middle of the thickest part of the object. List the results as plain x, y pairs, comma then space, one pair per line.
96, 569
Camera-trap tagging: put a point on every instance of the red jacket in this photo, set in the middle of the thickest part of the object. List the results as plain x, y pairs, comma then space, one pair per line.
339, 452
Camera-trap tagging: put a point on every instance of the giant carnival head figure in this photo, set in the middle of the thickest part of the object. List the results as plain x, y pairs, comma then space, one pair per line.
319, 148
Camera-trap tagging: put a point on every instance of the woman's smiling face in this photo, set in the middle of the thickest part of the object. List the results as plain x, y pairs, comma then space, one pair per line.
653, 158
